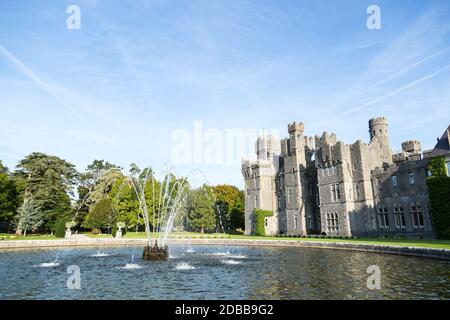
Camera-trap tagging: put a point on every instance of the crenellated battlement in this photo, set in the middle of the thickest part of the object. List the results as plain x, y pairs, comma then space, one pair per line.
411, 146
378, 121
296, 126
325, 139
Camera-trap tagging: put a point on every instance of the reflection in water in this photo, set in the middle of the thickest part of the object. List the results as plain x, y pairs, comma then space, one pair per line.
245, 273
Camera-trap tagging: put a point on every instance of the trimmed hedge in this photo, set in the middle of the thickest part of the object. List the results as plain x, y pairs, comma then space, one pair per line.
439, 194
260, 217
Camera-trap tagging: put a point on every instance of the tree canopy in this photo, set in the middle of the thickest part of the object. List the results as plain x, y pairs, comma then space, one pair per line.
9, 195
50, 181
201, 209
41, 192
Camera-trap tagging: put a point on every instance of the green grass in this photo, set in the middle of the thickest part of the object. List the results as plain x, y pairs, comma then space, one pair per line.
425, 243
440, 244
8, 236
142, 235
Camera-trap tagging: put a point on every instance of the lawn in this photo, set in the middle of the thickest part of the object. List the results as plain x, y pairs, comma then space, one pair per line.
439, 244
9, 236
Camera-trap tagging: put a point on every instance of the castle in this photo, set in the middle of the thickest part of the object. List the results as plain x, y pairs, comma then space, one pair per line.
319, 185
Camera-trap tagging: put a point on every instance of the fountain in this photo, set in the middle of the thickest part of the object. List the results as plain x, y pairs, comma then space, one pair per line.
156, 252
168, 199
172, 200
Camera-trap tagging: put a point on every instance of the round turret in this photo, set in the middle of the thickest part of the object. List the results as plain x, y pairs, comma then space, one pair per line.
378, 128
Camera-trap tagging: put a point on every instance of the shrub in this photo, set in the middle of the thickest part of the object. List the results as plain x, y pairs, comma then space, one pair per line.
60, 227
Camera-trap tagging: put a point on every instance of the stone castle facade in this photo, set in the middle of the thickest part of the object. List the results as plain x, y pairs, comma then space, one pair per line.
319, 185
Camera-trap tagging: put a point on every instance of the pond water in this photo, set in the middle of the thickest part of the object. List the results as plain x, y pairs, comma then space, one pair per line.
218, 272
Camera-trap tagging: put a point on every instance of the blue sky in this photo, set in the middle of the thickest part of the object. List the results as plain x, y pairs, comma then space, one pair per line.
138, 70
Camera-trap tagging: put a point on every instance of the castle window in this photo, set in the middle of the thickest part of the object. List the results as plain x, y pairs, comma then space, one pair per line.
399, 217
350, 191
256, 200
411, 177
394, 181
295, 221
266, 222
329, 171
335, 192
384, 220
417, 216
332, 222
357, 193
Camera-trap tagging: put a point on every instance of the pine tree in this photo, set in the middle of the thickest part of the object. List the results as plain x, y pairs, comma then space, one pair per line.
30, 216
202, 216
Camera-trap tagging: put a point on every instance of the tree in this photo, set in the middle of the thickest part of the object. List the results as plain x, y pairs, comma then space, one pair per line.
9, 196
126, 203
30, 216
50, 180
103, 186
201, 209
229, 206
87, 181
102, 215
237, 219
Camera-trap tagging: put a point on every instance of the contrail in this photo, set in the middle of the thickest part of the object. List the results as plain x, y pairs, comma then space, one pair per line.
398, 73
408, 68
390, 94
32, 76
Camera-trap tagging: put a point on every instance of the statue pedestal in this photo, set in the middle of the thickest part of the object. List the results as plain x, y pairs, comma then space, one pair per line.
119, 233
156, 253
68, 234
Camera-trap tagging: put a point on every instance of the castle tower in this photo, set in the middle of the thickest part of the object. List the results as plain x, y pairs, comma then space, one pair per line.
296, 139
413, 149
261, 148
378, 129
295, 163
411, 146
